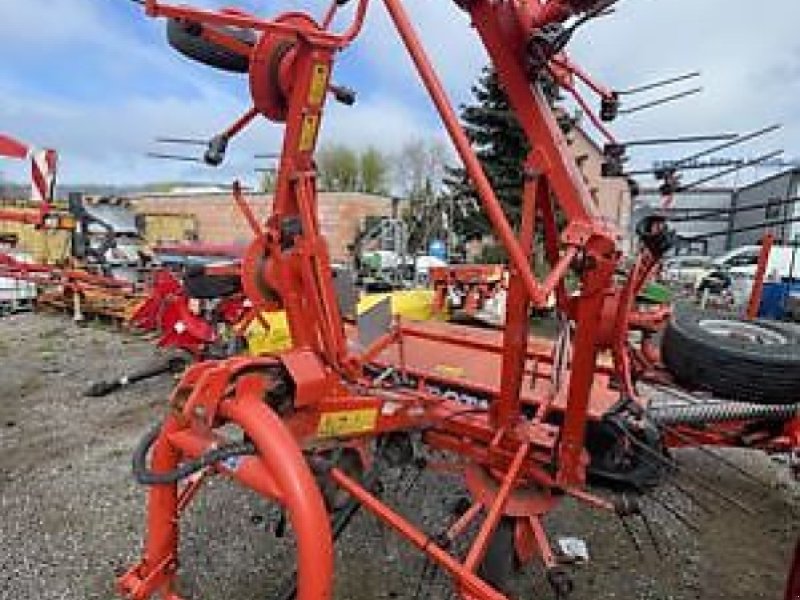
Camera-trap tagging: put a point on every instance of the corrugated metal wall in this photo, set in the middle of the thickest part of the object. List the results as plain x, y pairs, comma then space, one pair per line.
778, 189
693, 203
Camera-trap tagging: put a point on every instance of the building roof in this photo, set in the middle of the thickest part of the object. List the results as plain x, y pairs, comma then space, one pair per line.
119, 218
200, 194
791, 171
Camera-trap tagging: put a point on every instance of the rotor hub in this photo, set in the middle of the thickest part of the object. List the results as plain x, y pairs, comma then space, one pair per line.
272, 66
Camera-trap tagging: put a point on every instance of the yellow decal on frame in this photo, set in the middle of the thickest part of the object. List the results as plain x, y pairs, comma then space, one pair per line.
347, 422
450, 371
309, 132
319, 84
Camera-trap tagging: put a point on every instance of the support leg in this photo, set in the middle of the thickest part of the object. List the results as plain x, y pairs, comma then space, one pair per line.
156, 572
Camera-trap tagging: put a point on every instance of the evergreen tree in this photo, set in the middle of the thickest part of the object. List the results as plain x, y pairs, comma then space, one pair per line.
500, 145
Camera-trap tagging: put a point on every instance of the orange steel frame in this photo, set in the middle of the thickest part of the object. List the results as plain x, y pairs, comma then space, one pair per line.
754, 302
515, 466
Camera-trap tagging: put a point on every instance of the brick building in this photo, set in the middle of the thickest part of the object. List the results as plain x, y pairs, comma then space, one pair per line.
218, 220
611, 195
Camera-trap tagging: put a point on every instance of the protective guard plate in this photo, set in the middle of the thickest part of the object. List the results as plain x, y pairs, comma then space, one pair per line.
375, 322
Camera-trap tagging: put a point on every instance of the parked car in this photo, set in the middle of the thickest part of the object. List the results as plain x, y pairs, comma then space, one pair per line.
686, 270
784, 261
735, 270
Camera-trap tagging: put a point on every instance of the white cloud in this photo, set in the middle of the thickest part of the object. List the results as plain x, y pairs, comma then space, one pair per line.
380, 122
52, 22
450, 42
749, 59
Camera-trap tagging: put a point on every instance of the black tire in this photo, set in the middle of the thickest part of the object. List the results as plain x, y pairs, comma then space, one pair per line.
183, 36
500, 562
749, 361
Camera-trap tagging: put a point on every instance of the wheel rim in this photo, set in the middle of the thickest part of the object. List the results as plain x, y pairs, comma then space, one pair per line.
740, 331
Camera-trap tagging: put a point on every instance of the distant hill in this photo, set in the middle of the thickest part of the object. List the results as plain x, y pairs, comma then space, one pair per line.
13, 190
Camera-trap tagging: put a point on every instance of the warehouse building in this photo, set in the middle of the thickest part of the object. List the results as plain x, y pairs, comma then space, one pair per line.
774, 205
714, 220
702, 218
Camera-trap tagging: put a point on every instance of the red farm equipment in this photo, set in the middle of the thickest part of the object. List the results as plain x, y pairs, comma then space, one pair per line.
469, 292
78, 280
316, 422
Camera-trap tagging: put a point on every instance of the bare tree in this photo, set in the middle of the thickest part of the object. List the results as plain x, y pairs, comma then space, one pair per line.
420, 167
338, 168
419, 172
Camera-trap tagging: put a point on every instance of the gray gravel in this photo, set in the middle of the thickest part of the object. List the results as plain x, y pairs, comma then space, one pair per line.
72, 517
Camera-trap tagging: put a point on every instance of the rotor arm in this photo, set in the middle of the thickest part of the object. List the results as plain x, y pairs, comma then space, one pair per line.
242, 20
565, 69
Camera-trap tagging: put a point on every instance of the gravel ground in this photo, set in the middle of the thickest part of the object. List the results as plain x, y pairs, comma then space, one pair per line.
72, 516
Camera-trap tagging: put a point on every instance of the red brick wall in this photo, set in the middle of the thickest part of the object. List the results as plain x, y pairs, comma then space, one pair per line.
219, 221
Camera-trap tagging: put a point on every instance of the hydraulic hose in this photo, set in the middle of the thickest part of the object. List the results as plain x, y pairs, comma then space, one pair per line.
146, 477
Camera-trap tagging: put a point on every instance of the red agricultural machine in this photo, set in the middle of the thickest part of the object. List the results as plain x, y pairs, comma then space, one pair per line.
470, 292
64, 285
310, 427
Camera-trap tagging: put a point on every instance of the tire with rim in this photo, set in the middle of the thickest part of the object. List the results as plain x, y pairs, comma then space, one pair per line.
749, 361
183, 36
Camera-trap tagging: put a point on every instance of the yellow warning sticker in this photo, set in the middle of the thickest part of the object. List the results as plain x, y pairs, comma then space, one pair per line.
347, 422
319, 84
450, 371
309, 132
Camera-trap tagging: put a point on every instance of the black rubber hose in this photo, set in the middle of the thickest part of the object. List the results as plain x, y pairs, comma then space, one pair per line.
146, 477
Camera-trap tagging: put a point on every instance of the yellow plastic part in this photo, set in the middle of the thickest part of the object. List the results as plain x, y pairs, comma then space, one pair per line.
414, 305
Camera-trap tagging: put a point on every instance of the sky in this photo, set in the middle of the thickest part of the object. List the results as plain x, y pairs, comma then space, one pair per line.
96, 80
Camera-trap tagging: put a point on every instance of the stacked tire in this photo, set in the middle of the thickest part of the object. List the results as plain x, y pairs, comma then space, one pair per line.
749, 361
185, 37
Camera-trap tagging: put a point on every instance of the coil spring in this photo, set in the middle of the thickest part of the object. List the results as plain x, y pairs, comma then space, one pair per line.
717, 412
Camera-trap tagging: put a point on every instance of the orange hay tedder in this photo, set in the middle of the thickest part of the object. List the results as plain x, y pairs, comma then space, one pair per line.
305, 426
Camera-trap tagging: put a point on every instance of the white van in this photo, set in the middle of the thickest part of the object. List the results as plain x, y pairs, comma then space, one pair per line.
741, 264
744, 260
686, 270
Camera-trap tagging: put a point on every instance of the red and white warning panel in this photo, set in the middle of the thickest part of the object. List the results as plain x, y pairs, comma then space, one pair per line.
43, 175
11, 148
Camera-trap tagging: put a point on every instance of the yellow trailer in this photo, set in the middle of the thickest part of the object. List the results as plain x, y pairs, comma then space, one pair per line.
167, 228
47, 246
